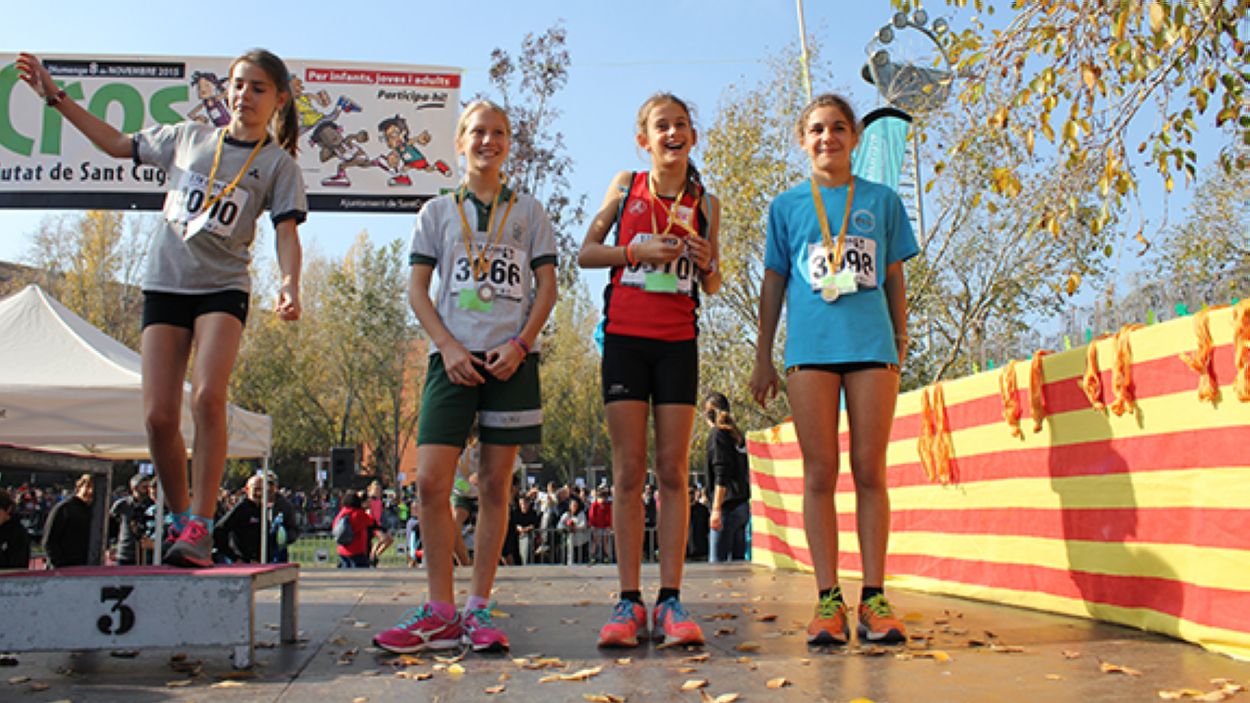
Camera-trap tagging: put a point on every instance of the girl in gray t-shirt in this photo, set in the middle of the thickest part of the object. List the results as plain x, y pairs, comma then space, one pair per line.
197, 285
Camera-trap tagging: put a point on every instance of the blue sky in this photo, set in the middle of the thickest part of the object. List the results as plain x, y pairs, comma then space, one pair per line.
622, 52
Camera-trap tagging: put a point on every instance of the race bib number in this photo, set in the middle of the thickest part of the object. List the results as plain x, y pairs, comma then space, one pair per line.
503, 273
676, 276
184, 207
859, 259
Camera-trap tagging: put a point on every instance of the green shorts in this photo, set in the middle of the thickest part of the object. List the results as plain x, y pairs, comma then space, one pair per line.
508, 412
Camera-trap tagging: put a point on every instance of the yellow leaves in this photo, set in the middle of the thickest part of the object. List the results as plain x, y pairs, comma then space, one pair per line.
748, 646
492, 690
1109, 668
705, 697
1158, 16
1073, 283
998, 120
694, 684
580, 675
1005, 181
1028, 141
779, 682
603, 698
1224, 689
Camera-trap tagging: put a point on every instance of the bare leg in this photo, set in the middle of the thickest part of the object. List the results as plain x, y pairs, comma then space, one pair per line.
870, 400
814, 401
165, 350
461, 516
217, 338
436, 469
673, 425
494, 486
627, 426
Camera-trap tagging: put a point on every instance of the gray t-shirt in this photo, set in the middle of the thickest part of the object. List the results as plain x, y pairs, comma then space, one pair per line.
198, 252
528, 242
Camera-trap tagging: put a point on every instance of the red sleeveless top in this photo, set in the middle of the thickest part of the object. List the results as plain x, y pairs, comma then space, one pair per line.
655, 302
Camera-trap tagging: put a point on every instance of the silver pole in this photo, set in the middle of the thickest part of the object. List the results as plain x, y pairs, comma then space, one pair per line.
919, 189
803, 57
264, 511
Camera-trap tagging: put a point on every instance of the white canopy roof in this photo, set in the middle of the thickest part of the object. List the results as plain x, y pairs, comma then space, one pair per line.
66, 386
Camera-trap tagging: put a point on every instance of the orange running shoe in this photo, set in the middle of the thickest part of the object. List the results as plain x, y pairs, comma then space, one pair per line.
829, 625
628, 619
673, 624
877, 623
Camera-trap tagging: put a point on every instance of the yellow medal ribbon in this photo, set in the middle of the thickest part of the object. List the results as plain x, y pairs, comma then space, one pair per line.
671, 212
825, 234
481, 262
212, 175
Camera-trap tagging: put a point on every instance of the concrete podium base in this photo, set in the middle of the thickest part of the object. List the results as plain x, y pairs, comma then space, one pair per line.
102, 608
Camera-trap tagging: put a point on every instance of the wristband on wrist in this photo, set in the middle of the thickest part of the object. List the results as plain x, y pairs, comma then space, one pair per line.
629, 255
54, 99
521, 345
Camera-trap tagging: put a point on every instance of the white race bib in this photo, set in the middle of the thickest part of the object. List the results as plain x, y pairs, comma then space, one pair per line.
183, 207
676, 276
860, 257
503, 272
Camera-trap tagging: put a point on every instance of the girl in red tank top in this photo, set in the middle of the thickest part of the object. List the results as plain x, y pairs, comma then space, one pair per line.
663, 254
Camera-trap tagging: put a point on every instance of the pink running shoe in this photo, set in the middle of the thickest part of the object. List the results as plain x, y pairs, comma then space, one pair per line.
194, 547
421, 629
674, 625
480, 632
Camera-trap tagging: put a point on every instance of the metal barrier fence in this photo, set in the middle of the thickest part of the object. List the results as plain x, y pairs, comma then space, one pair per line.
318, 549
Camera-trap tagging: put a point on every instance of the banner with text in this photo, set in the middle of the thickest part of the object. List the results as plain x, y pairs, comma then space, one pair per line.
373, 137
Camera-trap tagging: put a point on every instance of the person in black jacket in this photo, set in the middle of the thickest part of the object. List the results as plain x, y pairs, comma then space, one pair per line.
14, 540
729, 470
236, 536
130, 512
67, 534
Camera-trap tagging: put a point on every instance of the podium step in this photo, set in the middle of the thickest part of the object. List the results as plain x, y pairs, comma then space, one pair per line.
138, 607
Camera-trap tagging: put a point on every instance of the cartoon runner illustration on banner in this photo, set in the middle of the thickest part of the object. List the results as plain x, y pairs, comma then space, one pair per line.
334, 143
208, 90
310, 106
404, 153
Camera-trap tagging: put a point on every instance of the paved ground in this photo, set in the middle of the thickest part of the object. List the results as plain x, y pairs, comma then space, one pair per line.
753, 619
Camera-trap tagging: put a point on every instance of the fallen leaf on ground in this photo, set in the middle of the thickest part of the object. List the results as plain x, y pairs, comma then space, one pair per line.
936, 655
38, 686
505, 676
698, 658
603, 698
747, 646
1109, 668
779, 682
407, 660
361, 625
725, 631
705, 697
1175, 694
580, 675
455, 669
227, 684
452, 660
693, 684
360, 699
1071, 654
1006, 648
492, 690
424, 676
370, 672
15, 680
1054, 677
179, 683
721, 616
769, 617
686, 669
624, 661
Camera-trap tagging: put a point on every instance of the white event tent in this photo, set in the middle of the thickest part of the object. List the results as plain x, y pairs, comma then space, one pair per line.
65, 386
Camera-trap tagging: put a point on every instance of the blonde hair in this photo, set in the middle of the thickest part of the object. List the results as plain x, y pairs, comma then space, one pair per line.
463, 123
827, 100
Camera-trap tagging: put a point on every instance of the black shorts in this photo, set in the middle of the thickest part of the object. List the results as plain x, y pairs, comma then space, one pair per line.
181, 309
637, 368
840, 369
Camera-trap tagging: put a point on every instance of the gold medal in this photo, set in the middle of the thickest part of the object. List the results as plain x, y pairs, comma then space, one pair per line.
829, 294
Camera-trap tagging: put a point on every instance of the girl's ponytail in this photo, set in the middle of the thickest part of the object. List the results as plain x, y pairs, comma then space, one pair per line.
286, 125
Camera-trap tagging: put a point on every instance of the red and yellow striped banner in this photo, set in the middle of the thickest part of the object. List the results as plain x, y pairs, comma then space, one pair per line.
1139, 519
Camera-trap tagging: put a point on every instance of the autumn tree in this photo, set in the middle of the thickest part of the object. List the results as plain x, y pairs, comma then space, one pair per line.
1074, 83
527, 84
93, 262
750, 156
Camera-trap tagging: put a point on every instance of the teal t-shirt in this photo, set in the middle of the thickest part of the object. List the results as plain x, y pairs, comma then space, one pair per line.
856, 327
